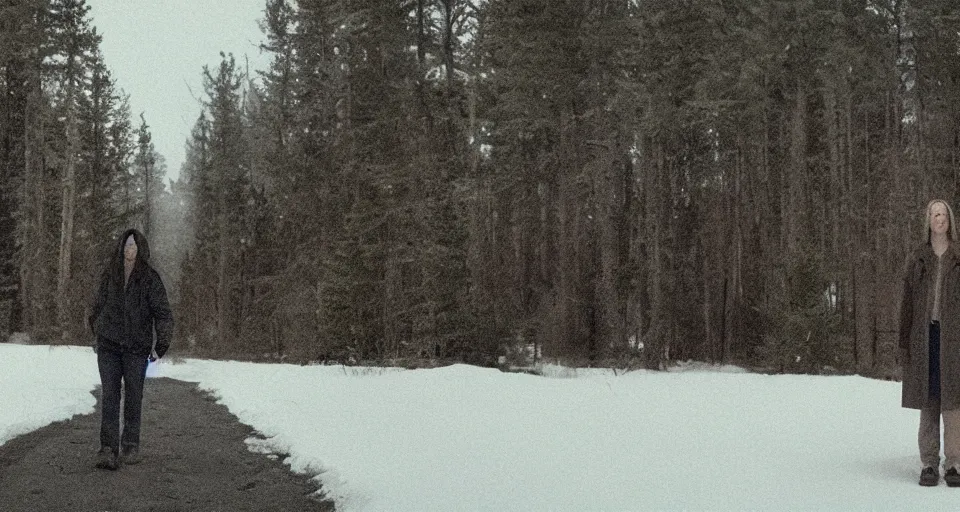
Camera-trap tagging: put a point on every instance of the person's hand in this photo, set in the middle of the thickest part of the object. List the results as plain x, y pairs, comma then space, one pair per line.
153, 356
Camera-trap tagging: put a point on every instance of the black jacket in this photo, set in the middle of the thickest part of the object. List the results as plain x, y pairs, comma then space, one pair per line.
125, 319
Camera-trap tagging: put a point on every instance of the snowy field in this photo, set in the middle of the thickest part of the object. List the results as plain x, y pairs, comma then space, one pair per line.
465, 438
40, 385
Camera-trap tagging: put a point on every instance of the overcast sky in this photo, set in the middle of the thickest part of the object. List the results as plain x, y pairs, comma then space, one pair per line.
156, 50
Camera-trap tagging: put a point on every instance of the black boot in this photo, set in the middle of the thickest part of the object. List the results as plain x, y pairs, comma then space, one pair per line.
131, 455
107, 459
930, 477
952, 477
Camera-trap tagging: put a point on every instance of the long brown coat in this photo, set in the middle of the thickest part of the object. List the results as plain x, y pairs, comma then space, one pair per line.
918, 282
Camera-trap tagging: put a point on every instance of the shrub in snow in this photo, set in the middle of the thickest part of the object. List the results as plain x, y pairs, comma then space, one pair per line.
20, 338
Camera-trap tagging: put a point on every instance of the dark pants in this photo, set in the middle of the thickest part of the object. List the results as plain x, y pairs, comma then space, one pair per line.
131, 369
934, 379
929, 435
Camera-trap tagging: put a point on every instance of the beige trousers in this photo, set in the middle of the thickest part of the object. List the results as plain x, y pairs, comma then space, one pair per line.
929, 436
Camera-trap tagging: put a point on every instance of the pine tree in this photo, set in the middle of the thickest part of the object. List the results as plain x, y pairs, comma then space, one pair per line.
102, 164
217, 175
72, 35
19, 87
194, 287
539, 149
147, 180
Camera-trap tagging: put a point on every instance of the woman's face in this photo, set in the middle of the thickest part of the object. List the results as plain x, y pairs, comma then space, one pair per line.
130, 249
939, 219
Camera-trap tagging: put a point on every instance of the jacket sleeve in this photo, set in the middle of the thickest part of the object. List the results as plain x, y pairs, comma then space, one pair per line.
99, 300
162, 316
906, 312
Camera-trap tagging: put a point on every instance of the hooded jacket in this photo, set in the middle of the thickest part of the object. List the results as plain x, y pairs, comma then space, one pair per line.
124, 318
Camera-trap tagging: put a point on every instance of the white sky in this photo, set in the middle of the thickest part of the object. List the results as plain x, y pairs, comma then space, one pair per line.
156, 50
476, 439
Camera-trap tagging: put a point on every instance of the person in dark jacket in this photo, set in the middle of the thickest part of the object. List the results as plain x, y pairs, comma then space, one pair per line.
131, 303
929, 336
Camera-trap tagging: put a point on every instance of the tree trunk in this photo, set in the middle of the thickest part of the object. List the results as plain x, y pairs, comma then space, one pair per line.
796, 177
223, 289
448, 43
655, 195
69, 185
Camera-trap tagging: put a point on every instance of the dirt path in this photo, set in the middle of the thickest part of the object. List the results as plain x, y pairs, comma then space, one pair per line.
194, 459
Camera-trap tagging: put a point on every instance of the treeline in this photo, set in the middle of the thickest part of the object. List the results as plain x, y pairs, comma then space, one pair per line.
75, 168
599, 181
605, 182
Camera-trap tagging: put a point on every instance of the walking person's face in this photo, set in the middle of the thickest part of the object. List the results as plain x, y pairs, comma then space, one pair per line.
130, 249
939, 219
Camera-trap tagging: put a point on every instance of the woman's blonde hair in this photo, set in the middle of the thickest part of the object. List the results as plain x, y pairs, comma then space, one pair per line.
951, 233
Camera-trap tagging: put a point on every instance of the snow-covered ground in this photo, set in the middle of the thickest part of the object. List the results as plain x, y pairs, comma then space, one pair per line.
40, 385
465, 438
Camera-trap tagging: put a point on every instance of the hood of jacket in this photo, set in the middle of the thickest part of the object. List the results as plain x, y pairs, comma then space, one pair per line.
143, 247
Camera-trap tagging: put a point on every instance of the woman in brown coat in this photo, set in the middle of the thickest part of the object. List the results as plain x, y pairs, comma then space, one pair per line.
930, 343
